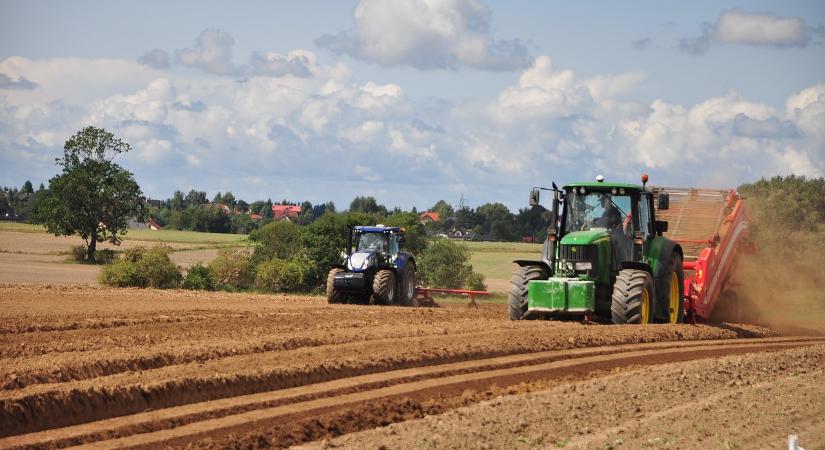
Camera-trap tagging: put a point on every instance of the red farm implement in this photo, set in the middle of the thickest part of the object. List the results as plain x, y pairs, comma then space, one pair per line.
424, 297
712, 227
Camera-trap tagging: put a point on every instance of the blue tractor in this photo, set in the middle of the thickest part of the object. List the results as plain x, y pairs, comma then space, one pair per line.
376, 271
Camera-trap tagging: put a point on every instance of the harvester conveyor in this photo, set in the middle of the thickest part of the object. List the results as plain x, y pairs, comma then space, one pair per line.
712, 227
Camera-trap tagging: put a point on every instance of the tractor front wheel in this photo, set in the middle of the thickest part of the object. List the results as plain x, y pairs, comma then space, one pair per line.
518, 289
383, 288
632, 300
334, 296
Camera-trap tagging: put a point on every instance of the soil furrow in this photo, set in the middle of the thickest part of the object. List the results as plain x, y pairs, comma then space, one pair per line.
576, 362
48, 405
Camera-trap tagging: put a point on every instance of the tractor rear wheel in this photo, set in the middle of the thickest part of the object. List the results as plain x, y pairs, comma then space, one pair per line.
676, 290
408, 285
383, 288
632, 300
518, 289
334, 296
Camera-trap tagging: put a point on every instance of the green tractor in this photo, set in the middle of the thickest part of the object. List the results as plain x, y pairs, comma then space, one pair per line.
604, 259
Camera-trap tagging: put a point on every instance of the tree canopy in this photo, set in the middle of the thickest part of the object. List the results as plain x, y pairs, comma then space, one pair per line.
92, 197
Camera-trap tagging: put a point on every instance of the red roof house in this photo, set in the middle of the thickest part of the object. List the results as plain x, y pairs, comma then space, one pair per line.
285, 212
429, 216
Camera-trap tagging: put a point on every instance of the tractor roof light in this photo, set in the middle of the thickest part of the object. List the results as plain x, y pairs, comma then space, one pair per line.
600, 178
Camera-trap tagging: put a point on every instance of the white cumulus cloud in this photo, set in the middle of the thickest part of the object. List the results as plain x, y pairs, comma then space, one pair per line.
737, 26
427, 34
212, 53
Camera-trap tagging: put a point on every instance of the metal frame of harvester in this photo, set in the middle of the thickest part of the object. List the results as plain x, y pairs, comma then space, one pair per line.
712, 228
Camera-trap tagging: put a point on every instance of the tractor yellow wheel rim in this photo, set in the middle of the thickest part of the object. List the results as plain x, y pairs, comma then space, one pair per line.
645, 306
674, 298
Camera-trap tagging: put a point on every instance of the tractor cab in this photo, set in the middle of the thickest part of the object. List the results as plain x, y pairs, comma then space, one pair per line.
373, 246
598, 214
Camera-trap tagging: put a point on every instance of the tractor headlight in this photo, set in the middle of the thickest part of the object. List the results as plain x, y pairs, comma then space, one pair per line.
583, 266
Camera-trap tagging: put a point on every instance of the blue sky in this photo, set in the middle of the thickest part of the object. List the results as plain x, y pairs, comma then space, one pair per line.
418, 100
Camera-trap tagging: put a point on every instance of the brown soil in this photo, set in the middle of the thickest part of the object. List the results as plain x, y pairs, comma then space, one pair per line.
749, 401
29, 268
72, 355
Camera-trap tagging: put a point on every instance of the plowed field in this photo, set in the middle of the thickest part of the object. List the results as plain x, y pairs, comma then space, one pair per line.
144, 368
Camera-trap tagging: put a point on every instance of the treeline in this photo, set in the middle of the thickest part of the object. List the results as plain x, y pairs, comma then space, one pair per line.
490, 222
225, 213
19, 204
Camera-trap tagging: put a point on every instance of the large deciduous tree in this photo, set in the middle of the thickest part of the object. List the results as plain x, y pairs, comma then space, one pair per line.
92, 196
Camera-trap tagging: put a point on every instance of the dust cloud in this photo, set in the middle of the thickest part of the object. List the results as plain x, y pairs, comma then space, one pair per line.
779, 288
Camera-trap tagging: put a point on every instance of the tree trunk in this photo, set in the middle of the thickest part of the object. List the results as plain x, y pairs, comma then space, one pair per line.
90, 255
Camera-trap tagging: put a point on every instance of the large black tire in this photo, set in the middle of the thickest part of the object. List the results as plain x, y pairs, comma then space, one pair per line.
407, 285
633, 297
334, 296
677, 274
383, 288
518, 289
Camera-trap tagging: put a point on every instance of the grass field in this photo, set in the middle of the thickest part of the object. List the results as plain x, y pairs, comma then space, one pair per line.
183, 237
494, 260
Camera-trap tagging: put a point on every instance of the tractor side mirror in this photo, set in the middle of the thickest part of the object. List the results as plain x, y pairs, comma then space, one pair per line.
534, 197
660, 226
664, 201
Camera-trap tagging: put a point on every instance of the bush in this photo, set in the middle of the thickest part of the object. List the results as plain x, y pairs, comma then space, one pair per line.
121, 273
143, 268
279, 275
134, 254
475, 282
158, 270
78, 252
279, 239
232, 269
199, 278
105, 256
445, 264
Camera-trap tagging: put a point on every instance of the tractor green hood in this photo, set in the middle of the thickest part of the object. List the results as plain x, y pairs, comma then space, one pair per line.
584, 237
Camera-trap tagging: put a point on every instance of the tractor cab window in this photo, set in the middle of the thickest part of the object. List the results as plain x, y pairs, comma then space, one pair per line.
596, 210
372, 241
394, 244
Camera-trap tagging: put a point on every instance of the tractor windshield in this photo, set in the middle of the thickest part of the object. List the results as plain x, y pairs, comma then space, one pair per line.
372, 241
591, 210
